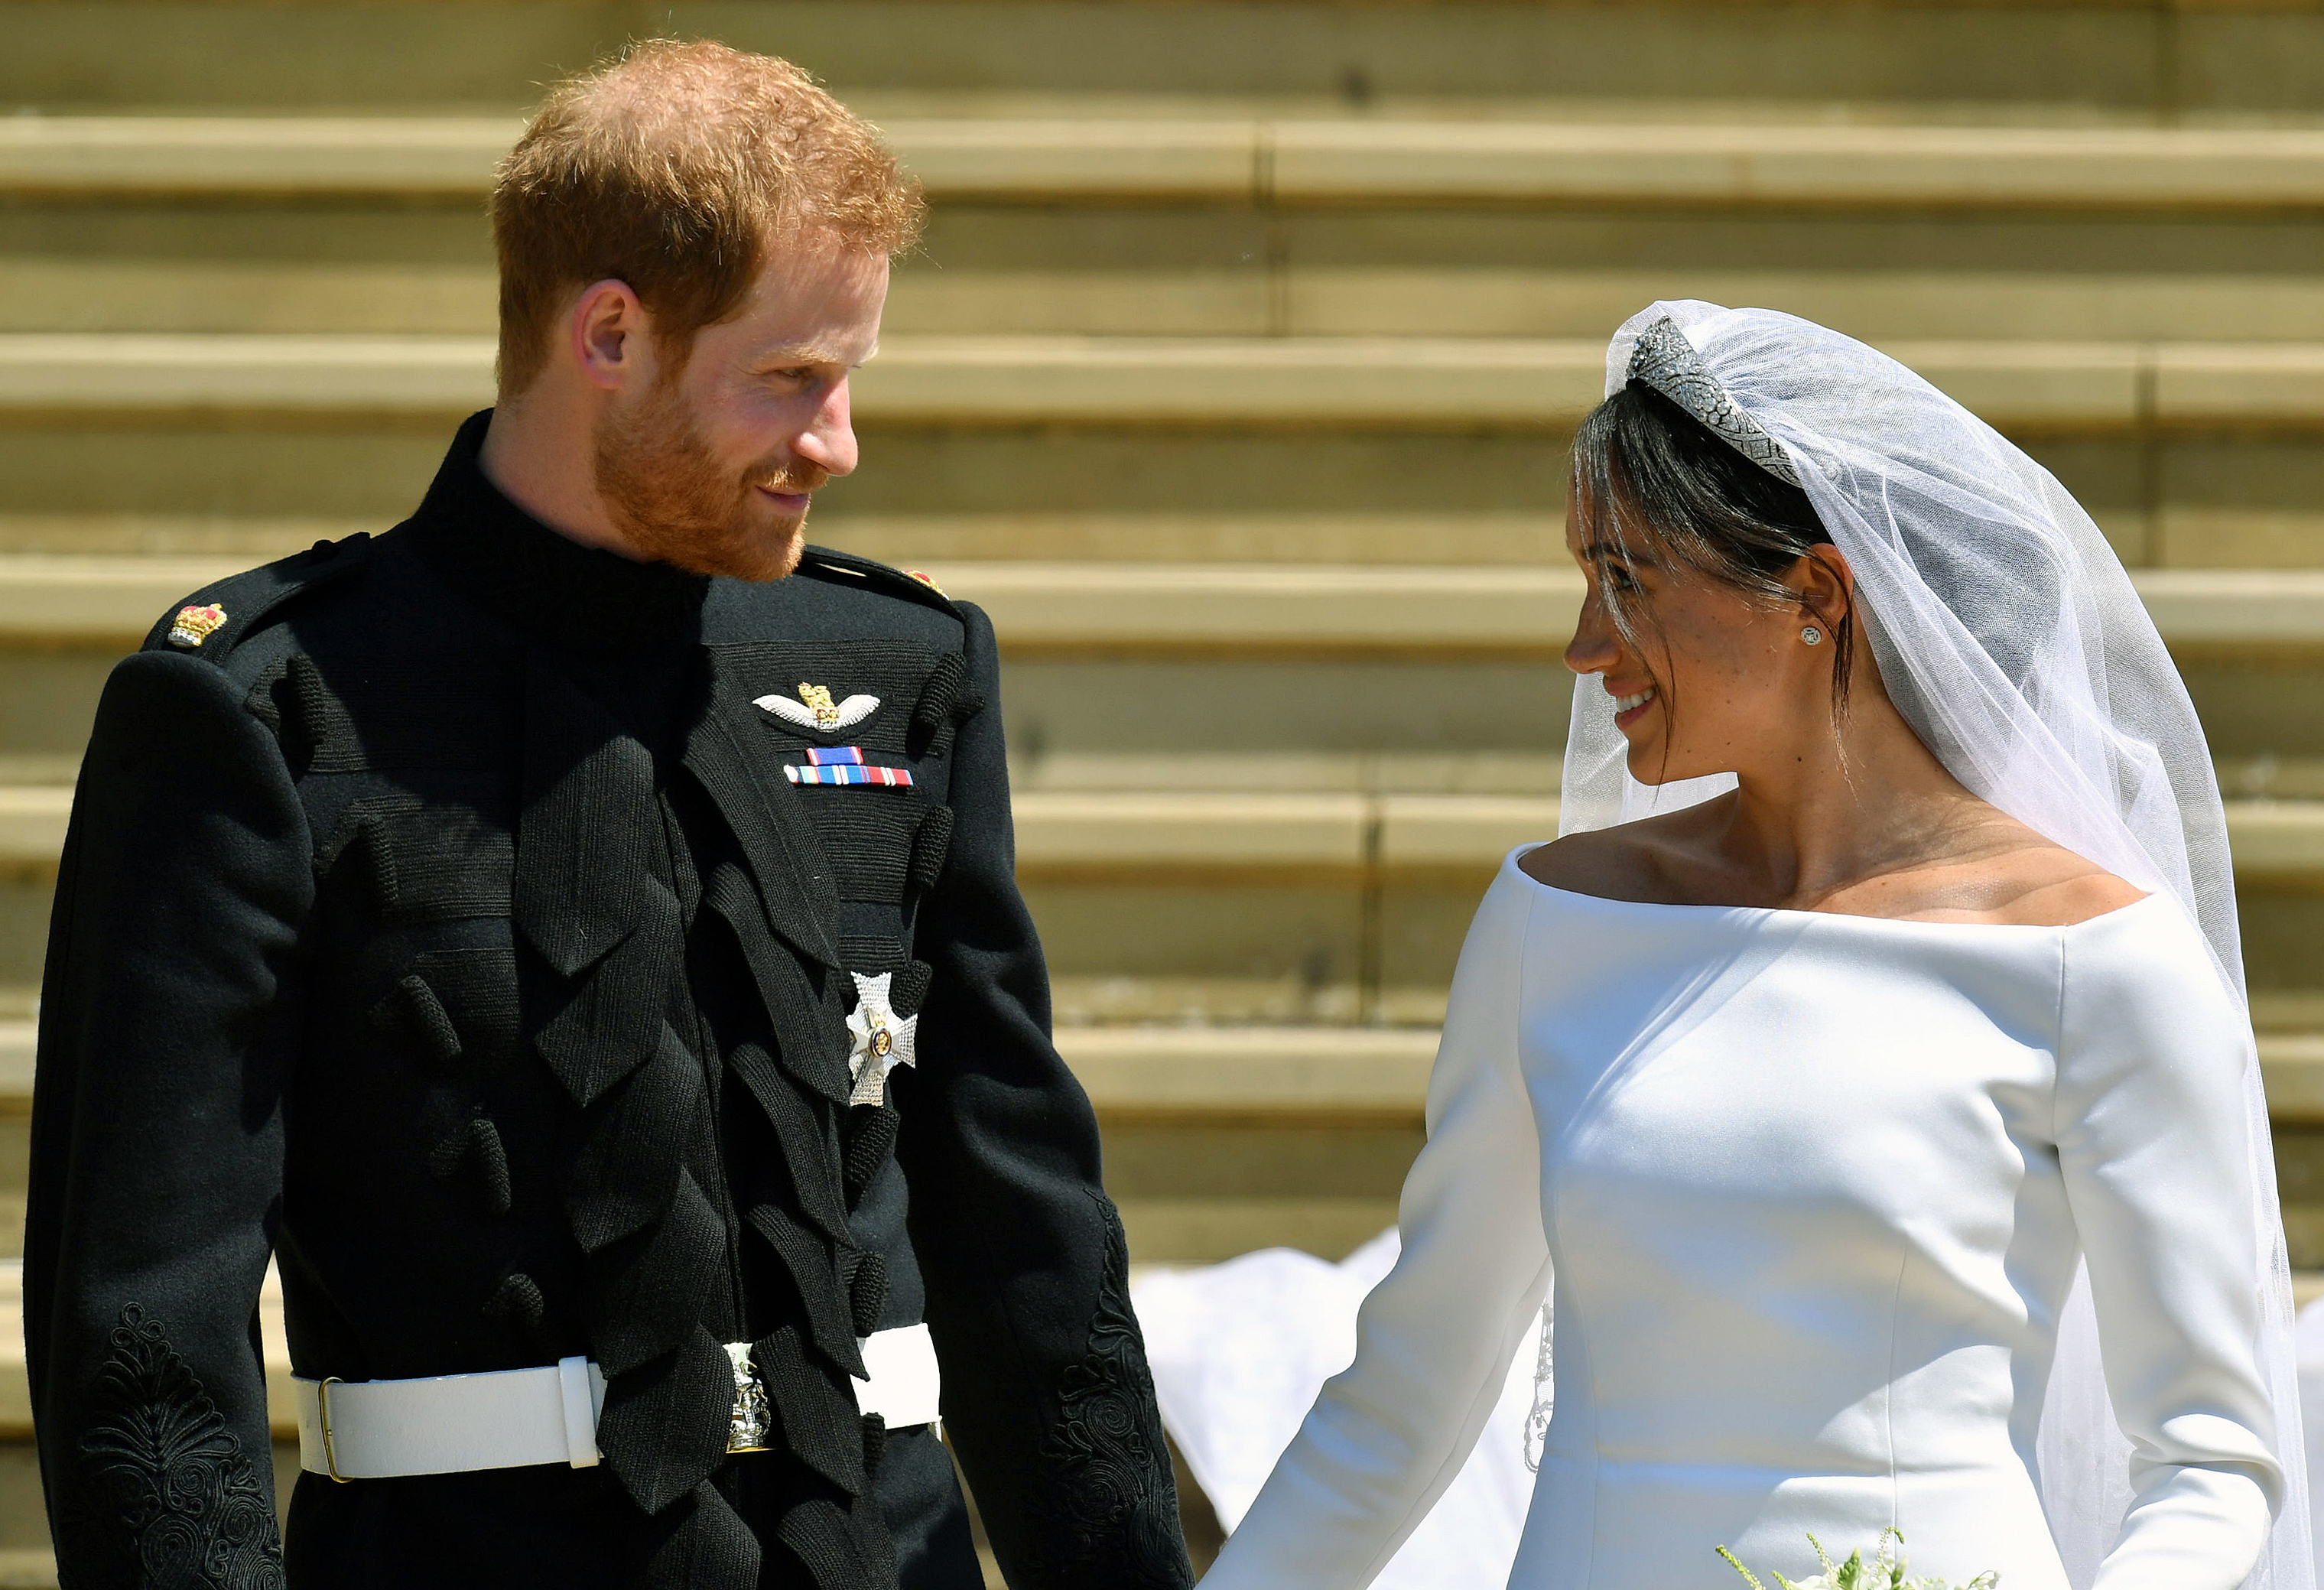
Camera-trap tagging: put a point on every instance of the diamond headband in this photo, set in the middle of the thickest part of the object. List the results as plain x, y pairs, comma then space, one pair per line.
1666, 361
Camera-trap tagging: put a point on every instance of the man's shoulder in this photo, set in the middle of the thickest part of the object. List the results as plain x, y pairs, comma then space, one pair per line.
835, 595
218, 622
846, 571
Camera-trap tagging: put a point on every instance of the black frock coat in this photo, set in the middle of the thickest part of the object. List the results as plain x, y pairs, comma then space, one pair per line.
444, 925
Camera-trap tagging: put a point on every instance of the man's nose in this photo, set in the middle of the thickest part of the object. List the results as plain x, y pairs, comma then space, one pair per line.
829, 440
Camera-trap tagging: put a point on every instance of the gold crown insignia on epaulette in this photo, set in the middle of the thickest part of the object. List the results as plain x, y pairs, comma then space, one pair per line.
195, 624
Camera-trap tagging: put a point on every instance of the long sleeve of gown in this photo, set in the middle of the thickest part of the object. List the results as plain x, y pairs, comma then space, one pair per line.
1435, 1340
2154, 1137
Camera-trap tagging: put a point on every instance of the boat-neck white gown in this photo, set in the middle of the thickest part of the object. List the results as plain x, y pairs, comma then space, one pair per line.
1812, 1188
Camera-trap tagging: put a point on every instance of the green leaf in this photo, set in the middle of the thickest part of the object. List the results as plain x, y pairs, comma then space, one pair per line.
1739, 1569
1888, 1569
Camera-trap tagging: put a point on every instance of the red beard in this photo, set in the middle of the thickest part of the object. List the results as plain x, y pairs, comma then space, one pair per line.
672, 503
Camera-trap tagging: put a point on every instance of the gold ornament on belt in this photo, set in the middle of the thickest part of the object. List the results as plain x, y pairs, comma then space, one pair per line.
753, 1419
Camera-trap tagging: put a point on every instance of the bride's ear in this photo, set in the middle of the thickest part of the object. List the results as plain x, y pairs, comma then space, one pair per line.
1824, 587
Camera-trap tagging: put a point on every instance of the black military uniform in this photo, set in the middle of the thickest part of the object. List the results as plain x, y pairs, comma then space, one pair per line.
439, 917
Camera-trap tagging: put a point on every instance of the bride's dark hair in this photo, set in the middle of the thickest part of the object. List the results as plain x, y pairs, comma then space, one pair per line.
1651, 480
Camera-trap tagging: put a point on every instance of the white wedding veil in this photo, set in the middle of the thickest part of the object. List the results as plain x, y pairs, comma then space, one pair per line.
2008, 635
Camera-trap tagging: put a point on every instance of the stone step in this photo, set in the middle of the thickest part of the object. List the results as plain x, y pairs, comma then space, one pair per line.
1335, 276
1221, 909
250, 482
1076, 835
202, 543
27, 1567
1185, 945
1126, 266
2129, 60
1372, 1075
1344, 160
2245, 535
1407, 383
1149, 607
1082, 832
1222, 1141
112, 601
1279, 1075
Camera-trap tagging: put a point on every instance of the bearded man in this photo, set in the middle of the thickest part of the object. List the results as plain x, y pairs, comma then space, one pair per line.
573, 934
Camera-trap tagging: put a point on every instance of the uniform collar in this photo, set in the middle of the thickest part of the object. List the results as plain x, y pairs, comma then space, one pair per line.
550, 587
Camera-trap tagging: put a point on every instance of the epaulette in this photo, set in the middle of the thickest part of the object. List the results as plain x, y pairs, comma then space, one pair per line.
825, 563
215, 619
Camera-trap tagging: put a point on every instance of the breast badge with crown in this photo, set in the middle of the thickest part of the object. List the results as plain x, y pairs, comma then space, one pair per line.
815, 709
196, 624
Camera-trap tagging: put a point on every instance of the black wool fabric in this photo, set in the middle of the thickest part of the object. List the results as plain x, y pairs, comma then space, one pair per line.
445, 927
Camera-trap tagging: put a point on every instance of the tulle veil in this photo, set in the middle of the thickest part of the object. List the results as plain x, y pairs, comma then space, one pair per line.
2008, 634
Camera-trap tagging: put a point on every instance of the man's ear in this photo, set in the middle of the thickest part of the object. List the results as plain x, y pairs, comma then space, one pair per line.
609, 335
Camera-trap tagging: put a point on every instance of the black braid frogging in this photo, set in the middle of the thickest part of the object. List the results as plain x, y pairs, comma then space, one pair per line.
1116, 1510
173, 1492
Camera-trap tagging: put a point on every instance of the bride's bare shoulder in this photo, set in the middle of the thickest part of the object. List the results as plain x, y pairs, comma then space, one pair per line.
2046, 886
1995, 870
2008, 876
1635, 861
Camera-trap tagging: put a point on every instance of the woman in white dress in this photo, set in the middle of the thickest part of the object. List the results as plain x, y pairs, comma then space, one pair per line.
1889, 1076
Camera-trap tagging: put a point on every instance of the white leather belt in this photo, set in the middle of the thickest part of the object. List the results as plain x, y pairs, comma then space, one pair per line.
515, 1417
904, 1387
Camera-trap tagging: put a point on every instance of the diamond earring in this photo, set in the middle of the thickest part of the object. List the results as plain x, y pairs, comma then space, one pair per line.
1811, 636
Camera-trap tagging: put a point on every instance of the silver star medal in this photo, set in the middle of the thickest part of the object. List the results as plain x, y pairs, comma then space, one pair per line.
882, 1038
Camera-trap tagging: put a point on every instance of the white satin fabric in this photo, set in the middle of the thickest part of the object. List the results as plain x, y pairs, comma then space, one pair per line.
1812, 1189
1239, 1351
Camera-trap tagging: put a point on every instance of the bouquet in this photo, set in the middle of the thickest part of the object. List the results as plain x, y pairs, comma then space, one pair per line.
1886, 1571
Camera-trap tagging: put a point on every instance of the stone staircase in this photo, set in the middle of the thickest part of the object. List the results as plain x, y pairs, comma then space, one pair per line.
1234, 378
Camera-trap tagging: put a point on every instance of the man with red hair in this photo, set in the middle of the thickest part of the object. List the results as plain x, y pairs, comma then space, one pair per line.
575, 936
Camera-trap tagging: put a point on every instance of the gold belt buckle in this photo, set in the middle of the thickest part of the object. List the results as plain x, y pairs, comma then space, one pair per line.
753, 1417
331, 1441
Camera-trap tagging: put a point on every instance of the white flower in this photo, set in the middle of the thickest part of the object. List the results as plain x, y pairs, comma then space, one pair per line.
1886, 1571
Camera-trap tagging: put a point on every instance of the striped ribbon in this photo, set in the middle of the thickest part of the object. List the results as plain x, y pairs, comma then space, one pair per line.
834, 756
849, 773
